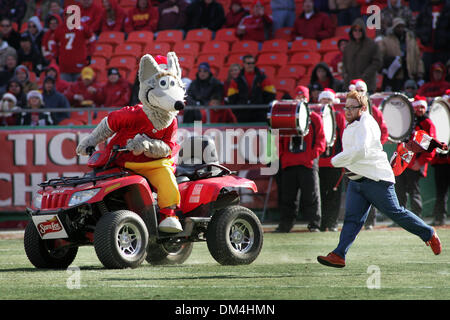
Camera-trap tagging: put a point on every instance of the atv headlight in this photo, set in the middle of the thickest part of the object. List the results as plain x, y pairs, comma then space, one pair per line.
37, 201
82, 196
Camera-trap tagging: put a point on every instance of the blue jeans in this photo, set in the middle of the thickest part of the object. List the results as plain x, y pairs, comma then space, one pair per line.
359, 198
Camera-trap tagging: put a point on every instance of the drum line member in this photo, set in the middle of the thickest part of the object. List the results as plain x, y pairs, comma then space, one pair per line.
371, 183
330, 188
408, 181
299, 171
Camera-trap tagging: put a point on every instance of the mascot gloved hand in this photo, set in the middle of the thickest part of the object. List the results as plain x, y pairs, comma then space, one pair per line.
148, 130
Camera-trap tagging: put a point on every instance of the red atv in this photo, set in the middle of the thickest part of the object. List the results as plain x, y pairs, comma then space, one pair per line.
115, 210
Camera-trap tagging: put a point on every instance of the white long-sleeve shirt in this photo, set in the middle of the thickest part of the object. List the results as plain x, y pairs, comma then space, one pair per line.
362, 151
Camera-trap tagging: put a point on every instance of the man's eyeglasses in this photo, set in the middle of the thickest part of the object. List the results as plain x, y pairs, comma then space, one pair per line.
357, 29
351, 108
249, 62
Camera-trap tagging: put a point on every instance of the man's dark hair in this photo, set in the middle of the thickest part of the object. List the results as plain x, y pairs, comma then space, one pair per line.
247, 56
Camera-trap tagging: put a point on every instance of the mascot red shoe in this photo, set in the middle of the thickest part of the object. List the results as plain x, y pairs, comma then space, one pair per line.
148, 130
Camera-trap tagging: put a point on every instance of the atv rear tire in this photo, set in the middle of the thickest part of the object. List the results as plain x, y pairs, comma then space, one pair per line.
234, 236
169, 253
42, 253
120, 240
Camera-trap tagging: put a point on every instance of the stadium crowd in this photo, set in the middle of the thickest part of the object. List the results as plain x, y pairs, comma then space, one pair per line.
232, 52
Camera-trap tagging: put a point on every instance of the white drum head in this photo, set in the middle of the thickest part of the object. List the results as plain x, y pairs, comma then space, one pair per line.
303, 118
440, 115
329, 125
398, 114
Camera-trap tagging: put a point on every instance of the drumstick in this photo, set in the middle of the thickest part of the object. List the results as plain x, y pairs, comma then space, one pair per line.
339, 181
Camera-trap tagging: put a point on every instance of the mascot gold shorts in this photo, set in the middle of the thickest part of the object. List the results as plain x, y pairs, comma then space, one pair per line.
160, 174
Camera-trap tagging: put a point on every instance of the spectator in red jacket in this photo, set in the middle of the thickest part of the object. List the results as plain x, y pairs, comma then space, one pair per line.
48, 40
312, 24
299, 170
8, 104
90, 14
113, 17
85, 92
408, 182
53, 71
74, 45
116, 91
437, 84
257, 26
235, 14
144, 17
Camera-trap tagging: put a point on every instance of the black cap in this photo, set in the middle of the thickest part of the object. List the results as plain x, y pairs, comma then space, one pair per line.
113, 71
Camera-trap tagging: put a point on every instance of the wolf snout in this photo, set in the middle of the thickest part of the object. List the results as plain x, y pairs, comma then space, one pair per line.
179, 105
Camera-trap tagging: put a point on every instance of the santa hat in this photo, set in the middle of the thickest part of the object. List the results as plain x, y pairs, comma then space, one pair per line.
302, 90
161, 61
357, 84
420, 101
10, 96
328, 93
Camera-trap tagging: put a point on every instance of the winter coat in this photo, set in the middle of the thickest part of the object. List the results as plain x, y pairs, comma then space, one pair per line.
5, 50
27, 85
232, 18
390, 47
55, 99
434, 88
116, 94
440, 38
170, 19
118, 24
201, 91
319, 26
60, 84
332, 83
200, 15
80, 88
361, 60
142, 19
256, 28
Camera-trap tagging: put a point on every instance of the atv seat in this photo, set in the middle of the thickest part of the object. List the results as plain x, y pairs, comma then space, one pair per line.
192, 172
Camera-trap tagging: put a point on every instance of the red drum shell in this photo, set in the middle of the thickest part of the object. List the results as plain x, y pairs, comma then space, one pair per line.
329, 121
287, 116
377, 99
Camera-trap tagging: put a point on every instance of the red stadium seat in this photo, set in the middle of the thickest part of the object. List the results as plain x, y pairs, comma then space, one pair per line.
216, 46
71, 122
113, 38
235, 58
103, 50
275, 45
305, 58
214, 59
294, 71
284, 33
245, 46
187, 47
309, 45
98, 63
226, 34
199, 35
142, 37
329, 56
127, 63
169, 36
186, 60
342, 32
270, 71
330, 44
157, 47
285, 85
128, 49
275, 59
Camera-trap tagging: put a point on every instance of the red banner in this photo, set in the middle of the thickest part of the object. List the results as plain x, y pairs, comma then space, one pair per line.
31, 156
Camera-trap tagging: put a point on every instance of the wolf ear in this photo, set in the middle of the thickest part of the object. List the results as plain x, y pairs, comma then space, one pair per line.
147, 68
173, 65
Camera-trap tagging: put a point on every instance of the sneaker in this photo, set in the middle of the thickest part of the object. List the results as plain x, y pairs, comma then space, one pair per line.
435, 243
332, 260
170, 225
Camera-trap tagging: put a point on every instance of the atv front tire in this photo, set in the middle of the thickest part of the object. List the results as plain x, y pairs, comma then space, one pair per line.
234, 236
44, 253
169, 253
120, 240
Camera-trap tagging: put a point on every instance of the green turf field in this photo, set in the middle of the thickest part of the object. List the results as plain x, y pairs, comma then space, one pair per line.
286, 269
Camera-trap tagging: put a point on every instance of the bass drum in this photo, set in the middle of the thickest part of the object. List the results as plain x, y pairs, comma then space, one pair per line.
329, 121
398, 113
290, 117
440, 115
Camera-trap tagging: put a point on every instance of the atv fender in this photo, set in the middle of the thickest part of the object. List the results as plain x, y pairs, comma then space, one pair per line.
204, 191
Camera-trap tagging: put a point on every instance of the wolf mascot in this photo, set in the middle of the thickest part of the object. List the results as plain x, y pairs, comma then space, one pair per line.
149, 130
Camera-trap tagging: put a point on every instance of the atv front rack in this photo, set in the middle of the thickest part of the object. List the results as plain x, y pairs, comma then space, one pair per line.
74, 181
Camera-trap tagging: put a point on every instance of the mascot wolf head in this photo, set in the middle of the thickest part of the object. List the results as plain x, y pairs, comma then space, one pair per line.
161, 90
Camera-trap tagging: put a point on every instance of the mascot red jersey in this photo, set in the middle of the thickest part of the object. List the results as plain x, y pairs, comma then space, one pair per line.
148, 130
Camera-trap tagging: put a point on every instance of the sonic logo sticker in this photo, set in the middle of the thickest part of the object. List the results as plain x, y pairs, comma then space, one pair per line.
49, 227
